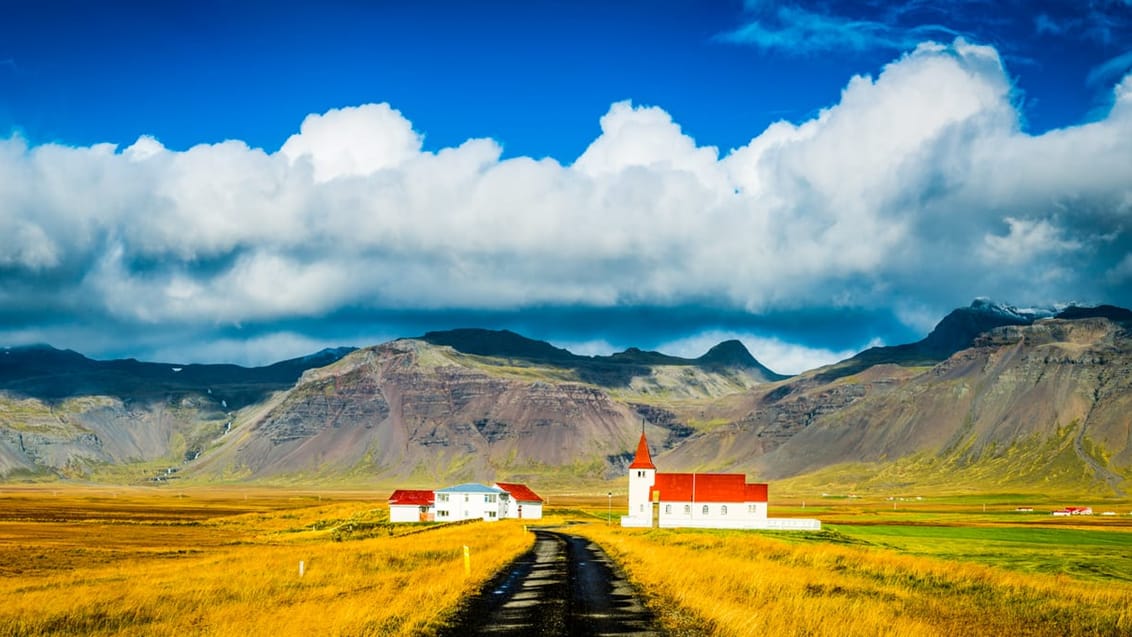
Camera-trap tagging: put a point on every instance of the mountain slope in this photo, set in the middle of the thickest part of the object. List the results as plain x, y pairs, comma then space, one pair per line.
957, 331
417, 410
616, 370
994, 398
62, 413
1025, 407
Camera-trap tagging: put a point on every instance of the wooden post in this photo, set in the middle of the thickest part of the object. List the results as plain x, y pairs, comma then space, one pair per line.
467, 561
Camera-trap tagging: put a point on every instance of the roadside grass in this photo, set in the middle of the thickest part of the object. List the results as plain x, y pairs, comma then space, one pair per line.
745, 583
143, 562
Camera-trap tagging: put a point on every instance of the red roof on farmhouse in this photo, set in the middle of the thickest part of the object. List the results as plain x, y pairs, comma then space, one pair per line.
413, 497
643, 460
706, 487
521, 492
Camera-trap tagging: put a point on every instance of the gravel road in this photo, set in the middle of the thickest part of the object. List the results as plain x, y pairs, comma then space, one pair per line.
565, 585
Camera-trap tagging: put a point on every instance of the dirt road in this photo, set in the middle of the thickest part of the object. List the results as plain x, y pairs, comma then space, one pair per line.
565, 585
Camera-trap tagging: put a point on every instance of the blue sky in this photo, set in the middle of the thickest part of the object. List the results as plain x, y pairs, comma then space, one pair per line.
217, 181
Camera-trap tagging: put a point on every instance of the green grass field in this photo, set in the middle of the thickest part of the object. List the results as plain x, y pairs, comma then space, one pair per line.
1090, 554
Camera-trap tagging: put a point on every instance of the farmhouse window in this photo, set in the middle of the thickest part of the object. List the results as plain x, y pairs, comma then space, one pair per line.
642, 508
443, 497
723, 510
668, 508
687, 509
705, 509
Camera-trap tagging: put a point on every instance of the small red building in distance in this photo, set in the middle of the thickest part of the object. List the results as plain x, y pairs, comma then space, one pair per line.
411, 505
1074, 511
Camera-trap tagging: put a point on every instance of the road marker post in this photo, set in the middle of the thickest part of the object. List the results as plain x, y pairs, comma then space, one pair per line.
467, 561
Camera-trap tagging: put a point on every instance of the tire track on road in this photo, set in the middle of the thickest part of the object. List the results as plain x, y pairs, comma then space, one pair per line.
564, 586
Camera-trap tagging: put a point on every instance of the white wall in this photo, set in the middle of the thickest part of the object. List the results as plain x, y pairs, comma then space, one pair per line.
750, 515
531, 510
404, 513
640, 483
457, 506
736, 511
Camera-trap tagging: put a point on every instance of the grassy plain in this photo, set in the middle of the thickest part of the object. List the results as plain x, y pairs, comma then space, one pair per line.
741, 583
148, 561
966, 565
221, 562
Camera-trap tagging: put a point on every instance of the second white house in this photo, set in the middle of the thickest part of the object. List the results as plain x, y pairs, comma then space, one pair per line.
468, 501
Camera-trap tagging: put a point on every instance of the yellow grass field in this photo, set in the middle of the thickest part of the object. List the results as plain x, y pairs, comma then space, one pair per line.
741, 583
208, 562
225, 561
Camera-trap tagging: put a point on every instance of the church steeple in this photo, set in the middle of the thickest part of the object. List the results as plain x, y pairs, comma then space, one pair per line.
643, 459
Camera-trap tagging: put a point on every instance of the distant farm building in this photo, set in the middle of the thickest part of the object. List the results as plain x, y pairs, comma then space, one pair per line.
699, 500
471, 501
468, 501
410, 505
1074, 511
525, 504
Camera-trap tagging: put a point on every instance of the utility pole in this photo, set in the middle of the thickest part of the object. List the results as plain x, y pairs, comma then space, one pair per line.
609, 511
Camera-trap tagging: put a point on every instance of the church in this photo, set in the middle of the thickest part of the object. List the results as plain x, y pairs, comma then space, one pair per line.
699, 500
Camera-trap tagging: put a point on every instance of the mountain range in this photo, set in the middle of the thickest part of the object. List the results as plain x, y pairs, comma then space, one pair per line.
994, 398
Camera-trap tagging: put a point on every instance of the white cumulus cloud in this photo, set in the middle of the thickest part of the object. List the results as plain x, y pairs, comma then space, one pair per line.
917, 189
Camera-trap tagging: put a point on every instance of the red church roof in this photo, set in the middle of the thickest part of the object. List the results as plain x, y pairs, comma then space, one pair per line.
521, 492
643, 460
706, 487
412, 497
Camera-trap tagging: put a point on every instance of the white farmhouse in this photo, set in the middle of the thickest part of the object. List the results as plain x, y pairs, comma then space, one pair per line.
471, 501
699, 500
412, 505
525, 504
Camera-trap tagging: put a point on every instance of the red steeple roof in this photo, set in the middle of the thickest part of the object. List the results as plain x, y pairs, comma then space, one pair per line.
643, 460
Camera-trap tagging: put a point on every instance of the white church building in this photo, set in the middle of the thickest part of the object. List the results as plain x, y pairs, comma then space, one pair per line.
699, 500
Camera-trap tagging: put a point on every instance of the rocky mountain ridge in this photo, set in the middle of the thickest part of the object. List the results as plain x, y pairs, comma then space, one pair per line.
993, 396
1047, 403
